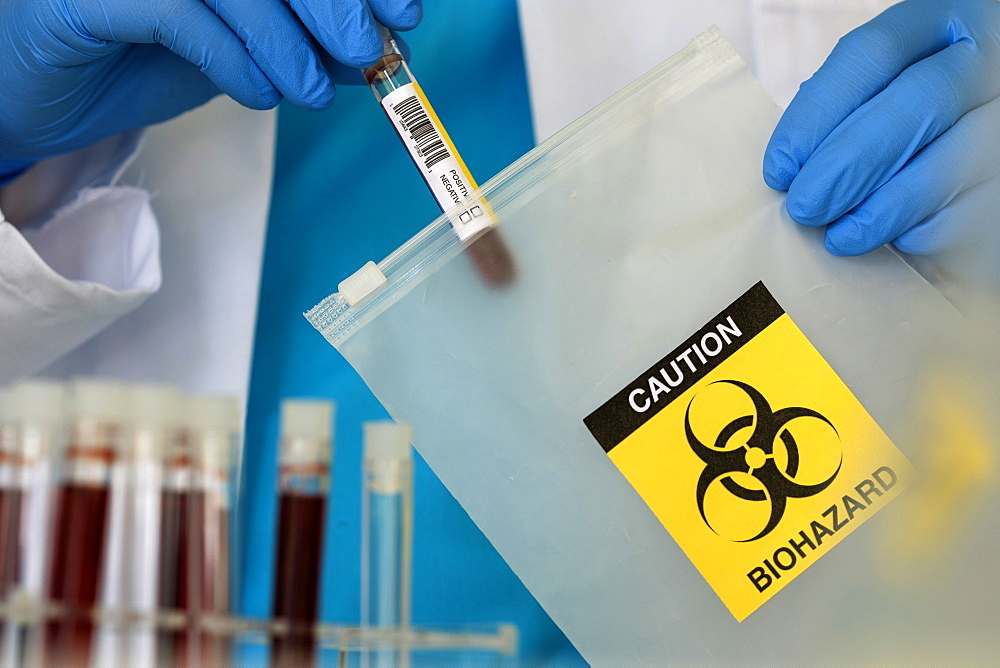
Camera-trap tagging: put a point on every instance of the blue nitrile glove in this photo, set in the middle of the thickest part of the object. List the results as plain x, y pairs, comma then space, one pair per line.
897, 136
75, 71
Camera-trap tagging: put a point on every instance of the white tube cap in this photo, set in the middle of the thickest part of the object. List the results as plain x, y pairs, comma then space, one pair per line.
102, 400
208, 412
154, 405
386, 440
215, 422
388, 458
39, 400
6, 404
8, 434
361, 283
306, 431
307, 417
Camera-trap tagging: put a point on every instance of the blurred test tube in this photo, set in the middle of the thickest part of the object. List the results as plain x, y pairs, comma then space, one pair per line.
81, 518
305, 452
154, 416
10, 494
386, 543
32, 429
214, 429
173, 645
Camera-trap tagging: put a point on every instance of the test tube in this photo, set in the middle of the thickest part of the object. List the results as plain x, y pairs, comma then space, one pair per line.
81, 518
30, 433
386, 543
154, 416
174, 645
305, 452
214, 431
440, 165
10, 523
10, 495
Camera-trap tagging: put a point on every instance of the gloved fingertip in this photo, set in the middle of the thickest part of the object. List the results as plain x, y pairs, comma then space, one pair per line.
848, 236
260, 101
267, 93
779, 170
921, 241
833, 249
329, 95
365, 50
803, 212
318, 91
903, 247
267, 99
322, 98
404, 16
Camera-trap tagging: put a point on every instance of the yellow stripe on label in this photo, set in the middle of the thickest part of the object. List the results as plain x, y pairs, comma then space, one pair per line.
444, 135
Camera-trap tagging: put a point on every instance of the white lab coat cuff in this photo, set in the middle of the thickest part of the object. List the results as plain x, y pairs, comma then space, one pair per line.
93, 261
56, 182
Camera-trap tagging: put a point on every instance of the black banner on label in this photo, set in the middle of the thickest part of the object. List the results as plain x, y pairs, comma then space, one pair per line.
683, 367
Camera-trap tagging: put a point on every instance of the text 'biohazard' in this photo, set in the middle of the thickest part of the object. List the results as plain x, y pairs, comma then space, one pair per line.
755, 456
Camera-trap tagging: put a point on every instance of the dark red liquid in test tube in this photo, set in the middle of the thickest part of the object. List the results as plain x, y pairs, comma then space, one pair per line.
192, 577
80, 524
305, 454
81, 521
10, 497
217, 421
175, 566
296, 591
212, 546
180, 568
11, 501
10, 532
32, 413
194, 534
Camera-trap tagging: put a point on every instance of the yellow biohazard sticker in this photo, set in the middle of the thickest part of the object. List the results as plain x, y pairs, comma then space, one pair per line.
750, 450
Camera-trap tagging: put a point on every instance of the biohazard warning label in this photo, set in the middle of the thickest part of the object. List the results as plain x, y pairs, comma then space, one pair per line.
750, 450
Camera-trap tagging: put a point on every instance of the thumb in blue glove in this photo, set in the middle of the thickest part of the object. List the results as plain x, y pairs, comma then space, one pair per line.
896, 138
76, 71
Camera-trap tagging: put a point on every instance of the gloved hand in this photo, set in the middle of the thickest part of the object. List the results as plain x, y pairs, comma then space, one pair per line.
75, 71
897, 136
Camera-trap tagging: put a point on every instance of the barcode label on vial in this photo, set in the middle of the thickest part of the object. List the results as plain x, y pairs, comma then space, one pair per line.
434, 155
424, 136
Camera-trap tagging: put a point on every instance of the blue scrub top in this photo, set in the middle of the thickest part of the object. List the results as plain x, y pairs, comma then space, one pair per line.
345, 192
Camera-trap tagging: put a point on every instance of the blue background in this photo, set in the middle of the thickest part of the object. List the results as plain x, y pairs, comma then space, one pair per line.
345, 192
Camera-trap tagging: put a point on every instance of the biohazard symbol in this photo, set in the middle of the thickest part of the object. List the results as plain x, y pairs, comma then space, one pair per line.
757, 458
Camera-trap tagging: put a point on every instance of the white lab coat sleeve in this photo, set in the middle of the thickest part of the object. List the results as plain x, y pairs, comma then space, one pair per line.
782, 41
579, 53
792, 38
71, 273
210, 174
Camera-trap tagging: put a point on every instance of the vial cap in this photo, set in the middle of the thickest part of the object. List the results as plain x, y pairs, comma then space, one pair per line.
361, 283
6, 404
208, 412
306, 430
96, 399
214, 421
312, 418
386, 440
39, 400
154, 405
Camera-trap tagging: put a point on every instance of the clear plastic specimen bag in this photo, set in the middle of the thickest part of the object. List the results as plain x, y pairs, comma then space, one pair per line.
671, 416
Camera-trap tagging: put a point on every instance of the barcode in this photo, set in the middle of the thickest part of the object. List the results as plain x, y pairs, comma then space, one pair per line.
423, 134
